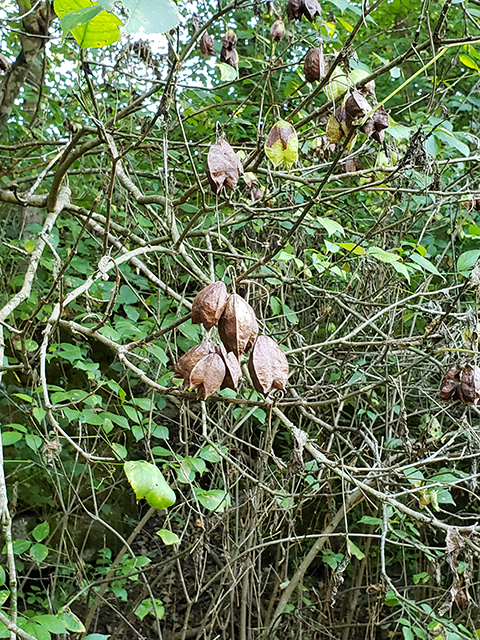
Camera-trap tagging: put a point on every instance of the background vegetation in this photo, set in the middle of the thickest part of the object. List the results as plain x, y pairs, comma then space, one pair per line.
346, 507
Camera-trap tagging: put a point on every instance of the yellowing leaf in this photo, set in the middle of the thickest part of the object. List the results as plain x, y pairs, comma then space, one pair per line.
148, 482
338, 84
468, 61
100, 31
281, 145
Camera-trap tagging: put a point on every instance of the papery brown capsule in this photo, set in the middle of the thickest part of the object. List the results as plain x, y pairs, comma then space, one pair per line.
311, 9
375, 125
352, 165
206, 45
277, 30
268, 366
229, 57
461, 384
187, 362
209, 304
337, 126
469, 389
294, 9
380, 122
229, 40
314, 65
356, 106
238, 326
233, 372
207, 375
224, 166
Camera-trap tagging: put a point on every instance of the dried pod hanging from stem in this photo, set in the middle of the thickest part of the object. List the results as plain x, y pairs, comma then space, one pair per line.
207, 375
314, 65
238, 326
187, 362
268, 366
209, 304
224, 166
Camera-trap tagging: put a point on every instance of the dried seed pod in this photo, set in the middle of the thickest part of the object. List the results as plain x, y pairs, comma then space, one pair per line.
380, 122
356, 106
4, 63
375, 125
206, 45
187, 362
268, 366
461, 384
294, 9
209, 304
229, 40
229, 56
334, 130
352, 165
238, 326
233, 372
469, 389
207, 375
314, 65
281, 145
277, 30
311, 9
223, 164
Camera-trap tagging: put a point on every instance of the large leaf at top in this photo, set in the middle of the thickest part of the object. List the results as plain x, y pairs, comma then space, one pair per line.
148, 482
100, 31
150, 16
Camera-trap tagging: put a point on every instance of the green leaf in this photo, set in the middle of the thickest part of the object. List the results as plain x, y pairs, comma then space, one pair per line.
353, 247
467, 260
424, 263
77, 18
119, 450
10, 437
146, 607
468, 62
408, 633
370, 520
72, 622
41, 531
38, 552
391, 599
209, 454
354, 550
4, 595
100, 31
150, 16
402, 269
214, 500
20, 546
148, 482
384, 256
331, 226
51, 623
168, 537
227, 73
96, 636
